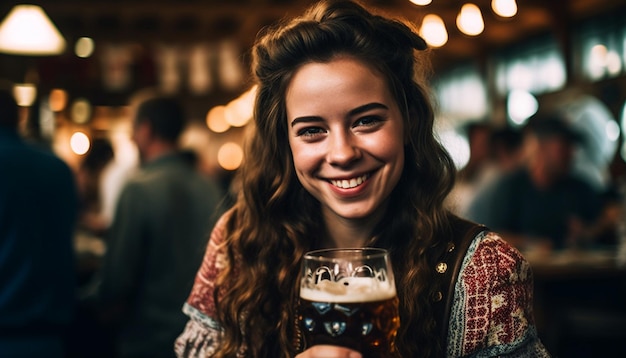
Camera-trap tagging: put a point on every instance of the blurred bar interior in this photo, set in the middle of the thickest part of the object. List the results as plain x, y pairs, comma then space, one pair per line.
499, 61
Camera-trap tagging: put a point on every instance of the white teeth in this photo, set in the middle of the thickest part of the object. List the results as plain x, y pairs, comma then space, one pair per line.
352, 183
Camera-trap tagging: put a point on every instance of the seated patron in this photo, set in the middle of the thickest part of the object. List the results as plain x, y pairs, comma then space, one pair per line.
542, 201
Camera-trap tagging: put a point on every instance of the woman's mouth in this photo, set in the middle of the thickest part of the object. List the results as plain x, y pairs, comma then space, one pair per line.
350, 183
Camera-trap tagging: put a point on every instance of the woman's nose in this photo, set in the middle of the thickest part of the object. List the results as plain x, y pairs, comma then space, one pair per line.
342, 149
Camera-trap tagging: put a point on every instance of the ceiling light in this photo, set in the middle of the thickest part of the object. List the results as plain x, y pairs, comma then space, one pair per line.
504, 8
28, 31
470, 20
434, 31
421, 2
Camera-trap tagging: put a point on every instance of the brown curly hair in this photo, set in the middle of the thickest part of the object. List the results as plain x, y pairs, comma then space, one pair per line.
275, 221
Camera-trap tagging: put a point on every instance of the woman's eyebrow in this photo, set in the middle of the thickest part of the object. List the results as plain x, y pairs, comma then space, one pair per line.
367, 107
306, 119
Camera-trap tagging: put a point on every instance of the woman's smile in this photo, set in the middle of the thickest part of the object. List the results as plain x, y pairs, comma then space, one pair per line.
350, 183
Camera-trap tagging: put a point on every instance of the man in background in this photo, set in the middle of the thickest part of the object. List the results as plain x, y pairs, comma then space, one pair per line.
542, 202
157, 238
38, 209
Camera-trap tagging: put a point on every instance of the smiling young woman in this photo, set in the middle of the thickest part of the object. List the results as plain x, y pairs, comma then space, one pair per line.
342, 154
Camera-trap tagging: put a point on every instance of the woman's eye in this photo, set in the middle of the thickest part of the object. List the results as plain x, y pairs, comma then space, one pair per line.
309, 131
367, 121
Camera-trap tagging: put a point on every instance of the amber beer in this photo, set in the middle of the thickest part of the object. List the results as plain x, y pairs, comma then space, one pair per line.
352, 305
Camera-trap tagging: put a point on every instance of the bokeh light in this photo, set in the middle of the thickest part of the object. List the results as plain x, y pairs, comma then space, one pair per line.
230, 156
84, 47
80, 143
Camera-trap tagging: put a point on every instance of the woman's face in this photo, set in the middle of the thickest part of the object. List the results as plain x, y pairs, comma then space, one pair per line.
346, 137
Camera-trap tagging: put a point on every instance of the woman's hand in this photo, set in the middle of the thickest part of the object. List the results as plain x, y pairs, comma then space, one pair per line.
322, 351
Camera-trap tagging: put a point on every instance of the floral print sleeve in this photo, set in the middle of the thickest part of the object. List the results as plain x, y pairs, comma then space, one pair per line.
492, 312
202, 334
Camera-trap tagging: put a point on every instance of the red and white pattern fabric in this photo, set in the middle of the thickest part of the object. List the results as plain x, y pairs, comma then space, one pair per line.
492, 311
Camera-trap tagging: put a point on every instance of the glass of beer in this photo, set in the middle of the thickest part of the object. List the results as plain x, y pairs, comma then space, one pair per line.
348, 298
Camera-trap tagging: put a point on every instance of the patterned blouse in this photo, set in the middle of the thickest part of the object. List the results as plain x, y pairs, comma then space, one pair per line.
491, 315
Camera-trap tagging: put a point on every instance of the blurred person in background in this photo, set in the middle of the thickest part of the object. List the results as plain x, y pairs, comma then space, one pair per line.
38, 209
494, 151
157, 238
478, 136
505, 156
542, 202
473, 176
506, 150
100, 178
90, 184
89, 247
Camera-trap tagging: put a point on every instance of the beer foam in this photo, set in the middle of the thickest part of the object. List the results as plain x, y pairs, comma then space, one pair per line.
349, 290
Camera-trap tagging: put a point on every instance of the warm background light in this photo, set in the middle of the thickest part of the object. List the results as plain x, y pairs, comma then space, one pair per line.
470, 20
216, 119
434, 31
504, 8
81, 111
80, 143
421, 2
57, 100
84, 47
238, 112
230, 156
25, 94
27, 30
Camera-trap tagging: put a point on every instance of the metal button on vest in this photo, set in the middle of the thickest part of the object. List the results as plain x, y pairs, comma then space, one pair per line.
441, 267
